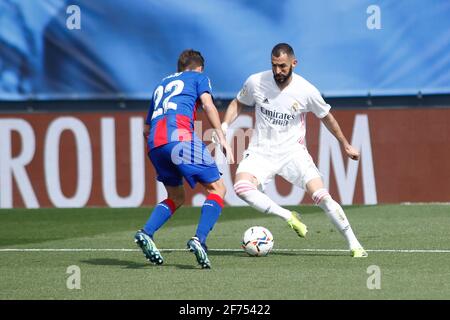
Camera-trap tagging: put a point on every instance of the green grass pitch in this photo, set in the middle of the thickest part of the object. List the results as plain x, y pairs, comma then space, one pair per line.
318, 267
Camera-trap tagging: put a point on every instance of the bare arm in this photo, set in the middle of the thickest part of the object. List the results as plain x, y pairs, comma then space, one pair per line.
213, 117
333, 126
233, 111
212, 114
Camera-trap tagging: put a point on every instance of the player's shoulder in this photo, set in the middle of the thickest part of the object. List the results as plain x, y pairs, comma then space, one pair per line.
259, 77
303, 85
199, 76
185, 76
171, 76
201, 79
263, 75
300, 81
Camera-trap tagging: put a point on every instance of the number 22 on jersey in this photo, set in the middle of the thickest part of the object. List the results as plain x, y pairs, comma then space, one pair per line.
174, 88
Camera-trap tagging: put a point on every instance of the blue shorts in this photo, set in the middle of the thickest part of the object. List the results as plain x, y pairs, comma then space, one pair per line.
190, 160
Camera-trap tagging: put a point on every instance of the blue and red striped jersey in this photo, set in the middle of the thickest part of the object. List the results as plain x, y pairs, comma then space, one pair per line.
173, 107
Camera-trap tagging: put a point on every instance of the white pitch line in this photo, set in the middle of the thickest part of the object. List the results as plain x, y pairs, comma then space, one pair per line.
221, 250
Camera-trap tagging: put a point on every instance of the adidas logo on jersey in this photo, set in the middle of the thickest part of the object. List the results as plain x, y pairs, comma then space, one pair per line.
266, 100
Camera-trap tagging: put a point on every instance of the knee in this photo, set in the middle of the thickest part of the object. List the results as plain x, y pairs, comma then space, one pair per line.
242, 187
321, 196
323, 199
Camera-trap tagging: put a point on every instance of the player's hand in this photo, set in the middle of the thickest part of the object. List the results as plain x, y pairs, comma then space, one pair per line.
227, 151
225, 147
224, 127
352, 153
215, 137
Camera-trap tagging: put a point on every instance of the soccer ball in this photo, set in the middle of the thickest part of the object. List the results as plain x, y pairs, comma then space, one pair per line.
257, 241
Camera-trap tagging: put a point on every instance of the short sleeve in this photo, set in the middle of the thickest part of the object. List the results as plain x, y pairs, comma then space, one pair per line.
316, 104
203, 85
245, 95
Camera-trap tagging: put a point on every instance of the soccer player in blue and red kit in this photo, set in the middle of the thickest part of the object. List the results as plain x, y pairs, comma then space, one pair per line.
176, 153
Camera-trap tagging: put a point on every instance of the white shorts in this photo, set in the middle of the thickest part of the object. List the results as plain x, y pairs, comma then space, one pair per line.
296, 167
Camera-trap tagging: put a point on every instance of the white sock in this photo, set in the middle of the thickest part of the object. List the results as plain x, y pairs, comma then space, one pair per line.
258, 200
335, 212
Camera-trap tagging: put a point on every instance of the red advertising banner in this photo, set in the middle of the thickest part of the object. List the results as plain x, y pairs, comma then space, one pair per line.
98, 159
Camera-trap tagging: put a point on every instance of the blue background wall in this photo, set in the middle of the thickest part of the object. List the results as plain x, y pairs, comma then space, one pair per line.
124, 47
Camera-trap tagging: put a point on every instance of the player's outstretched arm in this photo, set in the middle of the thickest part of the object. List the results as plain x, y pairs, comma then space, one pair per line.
333, 126
213, 117
233, 111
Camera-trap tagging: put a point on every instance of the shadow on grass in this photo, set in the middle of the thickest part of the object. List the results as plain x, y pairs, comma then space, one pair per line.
305, 254
132, 264
299, 254
116, 262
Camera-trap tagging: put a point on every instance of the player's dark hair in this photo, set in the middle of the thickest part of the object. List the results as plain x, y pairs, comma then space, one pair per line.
190, 59
282, 48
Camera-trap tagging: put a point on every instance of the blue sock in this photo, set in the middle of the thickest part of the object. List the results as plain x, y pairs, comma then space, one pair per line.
160, 214
211, 209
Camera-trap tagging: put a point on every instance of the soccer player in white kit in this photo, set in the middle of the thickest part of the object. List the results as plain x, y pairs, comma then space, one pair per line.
281, 100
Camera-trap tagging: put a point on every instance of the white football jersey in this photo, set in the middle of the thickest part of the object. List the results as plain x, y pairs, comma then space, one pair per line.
280, 115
